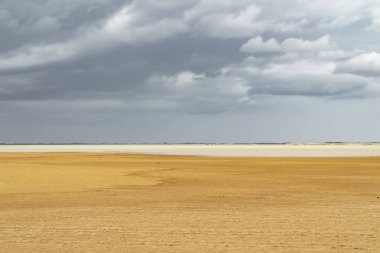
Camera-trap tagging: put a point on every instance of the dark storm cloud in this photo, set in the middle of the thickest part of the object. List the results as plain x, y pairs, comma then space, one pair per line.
192, 57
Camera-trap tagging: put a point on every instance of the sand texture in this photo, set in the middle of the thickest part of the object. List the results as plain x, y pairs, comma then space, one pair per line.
105, 202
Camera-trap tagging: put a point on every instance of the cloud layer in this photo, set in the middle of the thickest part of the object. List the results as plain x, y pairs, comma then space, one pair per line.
201, 57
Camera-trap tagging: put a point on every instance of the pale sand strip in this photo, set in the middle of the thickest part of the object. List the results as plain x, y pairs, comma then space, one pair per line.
225, 150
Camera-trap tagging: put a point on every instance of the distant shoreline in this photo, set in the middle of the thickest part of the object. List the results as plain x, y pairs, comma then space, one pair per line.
195, 143
213, 150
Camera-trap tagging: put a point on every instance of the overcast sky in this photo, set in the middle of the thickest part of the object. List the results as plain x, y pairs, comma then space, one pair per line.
189, 71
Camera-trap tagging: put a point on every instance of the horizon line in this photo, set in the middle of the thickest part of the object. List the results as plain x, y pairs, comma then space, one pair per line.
189, 143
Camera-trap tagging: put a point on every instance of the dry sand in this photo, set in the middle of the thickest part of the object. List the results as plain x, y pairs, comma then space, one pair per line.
103, 202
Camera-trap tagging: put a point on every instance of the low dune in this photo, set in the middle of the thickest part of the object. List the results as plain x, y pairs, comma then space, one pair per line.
116, 202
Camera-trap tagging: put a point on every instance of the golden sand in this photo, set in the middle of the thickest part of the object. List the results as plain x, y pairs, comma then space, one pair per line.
97, 202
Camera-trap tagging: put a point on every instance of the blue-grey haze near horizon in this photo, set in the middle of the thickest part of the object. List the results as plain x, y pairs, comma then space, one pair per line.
189, 71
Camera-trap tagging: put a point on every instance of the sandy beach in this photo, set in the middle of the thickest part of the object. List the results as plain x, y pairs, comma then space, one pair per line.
117, 202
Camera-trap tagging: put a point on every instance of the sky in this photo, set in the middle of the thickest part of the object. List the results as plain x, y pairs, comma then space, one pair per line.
148, 71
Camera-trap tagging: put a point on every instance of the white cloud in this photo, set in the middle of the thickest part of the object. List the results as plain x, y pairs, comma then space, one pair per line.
295, 16
338, 22
367, 64
37, 56
290, 45
300, 45
233, 25
376, 18
130, 26
317, 9
290, 25
195, 91
301, 67
308, 77
334, 54
257, 45
312, 85
41, 55
189, 82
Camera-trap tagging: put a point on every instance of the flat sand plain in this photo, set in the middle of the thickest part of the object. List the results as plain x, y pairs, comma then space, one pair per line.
117, 202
